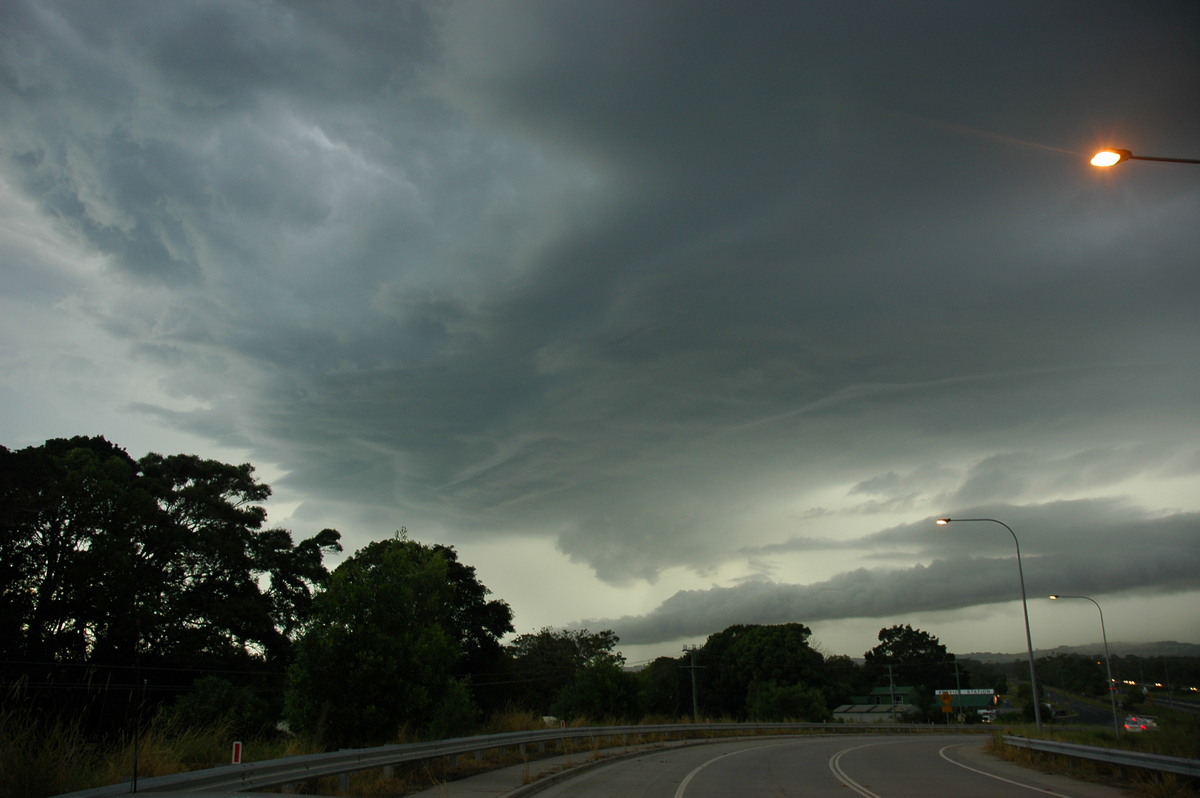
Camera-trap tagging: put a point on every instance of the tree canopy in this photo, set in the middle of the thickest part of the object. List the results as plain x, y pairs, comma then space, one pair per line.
161, 562
385, 641
743, 658
916, 658
547, 662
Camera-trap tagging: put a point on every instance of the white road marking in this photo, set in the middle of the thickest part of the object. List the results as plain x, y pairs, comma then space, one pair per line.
683, 784
1042, 790
836, 767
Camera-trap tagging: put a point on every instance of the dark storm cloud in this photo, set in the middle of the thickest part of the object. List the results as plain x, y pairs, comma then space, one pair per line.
1095, 548
673, 284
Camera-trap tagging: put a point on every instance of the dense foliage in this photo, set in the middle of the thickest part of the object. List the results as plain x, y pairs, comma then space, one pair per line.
386, 644
743, 661
907, 656
121, 574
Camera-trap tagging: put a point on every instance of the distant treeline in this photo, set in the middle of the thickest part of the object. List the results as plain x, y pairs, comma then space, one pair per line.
1085, 673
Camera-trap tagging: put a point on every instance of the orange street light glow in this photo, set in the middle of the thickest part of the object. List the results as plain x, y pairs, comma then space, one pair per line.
1112, 157
1109, 157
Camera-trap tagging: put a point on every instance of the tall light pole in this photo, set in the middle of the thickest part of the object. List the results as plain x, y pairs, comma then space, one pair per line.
1037, 700
1112, 693
1112, 157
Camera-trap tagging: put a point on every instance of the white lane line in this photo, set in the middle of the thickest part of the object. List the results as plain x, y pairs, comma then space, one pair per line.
683, 784
1042, 790
836, 767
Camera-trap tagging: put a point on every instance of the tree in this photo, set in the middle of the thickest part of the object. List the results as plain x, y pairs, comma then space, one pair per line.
546, 662
216, 703
209, 555
1075, 673
384, 644
476, 622
843, 678
666, 688
771, 703
61, 505
740, 656
601, 690
917, 659
145, 571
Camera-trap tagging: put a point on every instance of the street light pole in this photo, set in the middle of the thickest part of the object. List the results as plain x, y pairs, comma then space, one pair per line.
1037, 701
1112, 157
1112, 694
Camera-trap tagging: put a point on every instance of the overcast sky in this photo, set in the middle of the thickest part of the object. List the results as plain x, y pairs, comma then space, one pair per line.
667, 315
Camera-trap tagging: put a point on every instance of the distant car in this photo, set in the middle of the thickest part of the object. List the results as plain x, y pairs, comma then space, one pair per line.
1137, 724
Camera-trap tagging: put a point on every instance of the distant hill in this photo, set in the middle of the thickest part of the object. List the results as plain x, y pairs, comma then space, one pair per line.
1164, 648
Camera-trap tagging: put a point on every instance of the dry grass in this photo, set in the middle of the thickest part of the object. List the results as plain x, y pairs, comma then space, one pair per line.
37, 759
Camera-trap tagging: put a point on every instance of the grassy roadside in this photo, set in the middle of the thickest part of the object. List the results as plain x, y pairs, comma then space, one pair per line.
1178, 736
40, 758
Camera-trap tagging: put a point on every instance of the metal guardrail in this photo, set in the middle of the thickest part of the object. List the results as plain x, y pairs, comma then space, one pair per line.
298, 769
1112, 756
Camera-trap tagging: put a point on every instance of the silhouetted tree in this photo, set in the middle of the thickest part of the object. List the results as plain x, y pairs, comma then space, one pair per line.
603, 691
741, 655
385, 644
154, 571
666, 688
917, 658
546, 662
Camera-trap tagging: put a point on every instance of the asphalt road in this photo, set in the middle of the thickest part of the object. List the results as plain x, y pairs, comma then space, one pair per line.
1080, 711
870, 767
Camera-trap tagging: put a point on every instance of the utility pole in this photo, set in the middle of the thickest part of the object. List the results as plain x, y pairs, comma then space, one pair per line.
693, 668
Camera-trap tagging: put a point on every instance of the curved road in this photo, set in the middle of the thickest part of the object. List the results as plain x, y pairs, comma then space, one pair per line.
843, 766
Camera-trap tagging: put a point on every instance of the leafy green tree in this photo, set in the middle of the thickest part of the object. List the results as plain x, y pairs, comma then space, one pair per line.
917, 658
59, 507
217, 703
666, 688
734, 659
988, 674
1074, 673
546, 662
477, 623
211, 556
844, 678
601, 690
772, 703
149, 570
383, 645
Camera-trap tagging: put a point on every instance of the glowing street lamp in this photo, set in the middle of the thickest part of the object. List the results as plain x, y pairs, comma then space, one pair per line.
1112, 691
1112, 157
1037, 700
